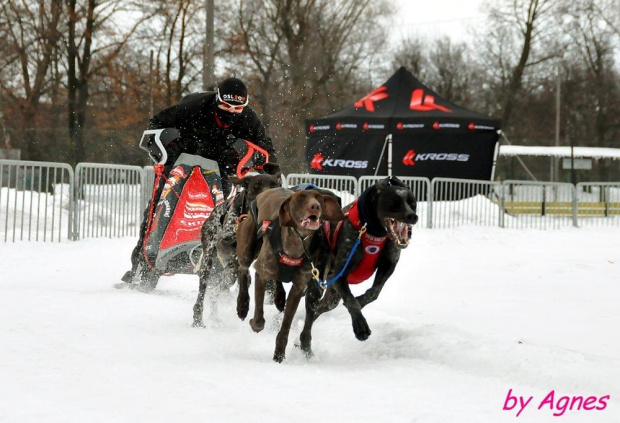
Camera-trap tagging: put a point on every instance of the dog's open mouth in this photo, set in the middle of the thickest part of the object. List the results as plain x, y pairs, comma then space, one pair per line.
398, 232
310, 222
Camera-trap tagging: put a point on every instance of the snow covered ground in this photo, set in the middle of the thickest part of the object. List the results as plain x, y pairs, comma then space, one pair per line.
470, 314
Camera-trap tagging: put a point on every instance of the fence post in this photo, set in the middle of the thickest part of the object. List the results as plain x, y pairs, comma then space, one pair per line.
575, 207
431, 195
502, 206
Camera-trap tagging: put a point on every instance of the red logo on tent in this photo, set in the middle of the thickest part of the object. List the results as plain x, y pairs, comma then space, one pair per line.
408, 159
316, 161
365, 126
339, 126
311, 128
424, 103
368, 102
436, 125
471, 126
399, 126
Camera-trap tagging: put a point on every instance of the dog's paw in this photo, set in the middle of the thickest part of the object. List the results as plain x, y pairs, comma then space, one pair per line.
361, 329
242, 308
198, 324
257, 326
278, 357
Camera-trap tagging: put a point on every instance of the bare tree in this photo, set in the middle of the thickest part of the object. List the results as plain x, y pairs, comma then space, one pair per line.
413, 55
513, 42
87, 20
305, 55
31, 33
591, 45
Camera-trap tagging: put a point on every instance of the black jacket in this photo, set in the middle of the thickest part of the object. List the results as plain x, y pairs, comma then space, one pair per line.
204, 133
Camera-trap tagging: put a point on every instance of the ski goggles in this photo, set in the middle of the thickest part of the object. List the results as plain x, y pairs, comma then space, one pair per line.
231, 107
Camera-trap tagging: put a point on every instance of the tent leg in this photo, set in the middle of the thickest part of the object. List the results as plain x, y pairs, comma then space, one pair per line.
380, 158
388, 139
495, 153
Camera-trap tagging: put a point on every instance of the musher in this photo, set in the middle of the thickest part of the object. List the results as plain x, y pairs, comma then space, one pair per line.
209, 124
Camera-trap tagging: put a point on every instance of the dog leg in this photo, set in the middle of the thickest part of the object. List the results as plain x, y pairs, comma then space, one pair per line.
330, 301
246, 244
258, 322
294, 296
385, 267
313, 296
360, 326
243, 296
203, 275
279, 296
199, 306
373, 292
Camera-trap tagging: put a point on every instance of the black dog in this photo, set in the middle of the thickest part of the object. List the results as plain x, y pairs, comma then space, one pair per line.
218, 237
382, 216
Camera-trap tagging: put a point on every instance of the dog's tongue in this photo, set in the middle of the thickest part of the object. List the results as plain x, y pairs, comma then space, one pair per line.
402, 230
310, 224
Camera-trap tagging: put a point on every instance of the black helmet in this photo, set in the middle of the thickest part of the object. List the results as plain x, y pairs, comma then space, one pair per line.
232, 91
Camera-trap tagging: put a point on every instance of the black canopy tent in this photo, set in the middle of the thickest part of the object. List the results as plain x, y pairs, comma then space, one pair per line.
431, 137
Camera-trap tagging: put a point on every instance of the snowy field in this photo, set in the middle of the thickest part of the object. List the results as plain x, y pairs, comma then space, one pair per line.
470, 314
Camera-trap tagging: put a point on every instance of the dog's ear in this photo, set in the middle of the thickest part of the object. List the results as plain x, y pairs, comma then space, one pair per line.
331, 210
244, 182
272, 169
393, 180
237, 181
285, 214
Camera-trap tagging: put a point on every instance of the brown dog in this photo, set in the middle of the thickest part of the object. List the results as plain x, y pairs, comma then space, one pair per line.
288, 223
218, 238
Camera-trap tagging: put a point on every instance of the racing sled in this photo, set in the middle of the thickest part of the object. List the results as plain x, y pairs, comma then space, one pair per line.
192, 189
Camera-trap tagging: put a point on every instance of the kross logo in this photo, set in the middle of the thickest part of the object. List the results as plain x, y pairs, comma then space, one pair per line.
423, 103
411, 157
368, 102
318, 161
313, 128
408, 159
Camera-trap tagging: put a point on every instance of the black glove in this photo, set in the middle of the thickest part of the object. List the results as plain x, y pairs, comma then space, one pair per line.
230, 140
230, 158
258, 159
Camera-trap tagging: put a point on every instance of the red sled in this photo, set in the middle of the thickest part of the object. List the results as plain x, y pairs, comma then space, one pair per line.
192, 190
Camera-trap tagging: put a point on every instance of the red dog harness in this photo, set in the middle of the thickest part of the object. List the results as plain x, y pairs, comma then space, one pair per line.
372, 246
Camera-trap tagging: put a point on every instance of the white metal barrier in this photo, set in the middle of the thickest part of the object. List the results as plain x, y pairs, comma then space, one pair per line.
43, 201
36, 201
598, 203
457, 202
346, 186
541, 205
108, 200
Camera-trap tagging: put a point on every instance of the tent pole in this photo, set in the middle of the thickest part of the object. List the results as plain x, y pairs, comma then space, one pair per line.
381, 156
388, 139
495, 154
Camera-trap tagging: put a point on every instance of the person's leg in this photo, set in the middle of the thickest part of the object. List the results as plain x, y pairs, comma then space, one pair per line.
137, 255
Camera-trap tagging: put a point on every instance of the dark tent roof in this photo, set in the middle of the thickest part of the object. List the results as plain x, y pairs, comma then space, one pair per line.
398, 105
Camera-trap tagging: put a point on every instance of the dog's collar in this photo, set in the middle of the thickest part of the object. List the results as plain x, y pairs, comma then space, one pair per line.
287, 265
360, 214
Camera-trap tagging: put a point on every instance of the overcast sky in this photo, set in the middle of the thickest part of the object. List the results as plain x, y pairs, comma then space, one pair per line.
436, 18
